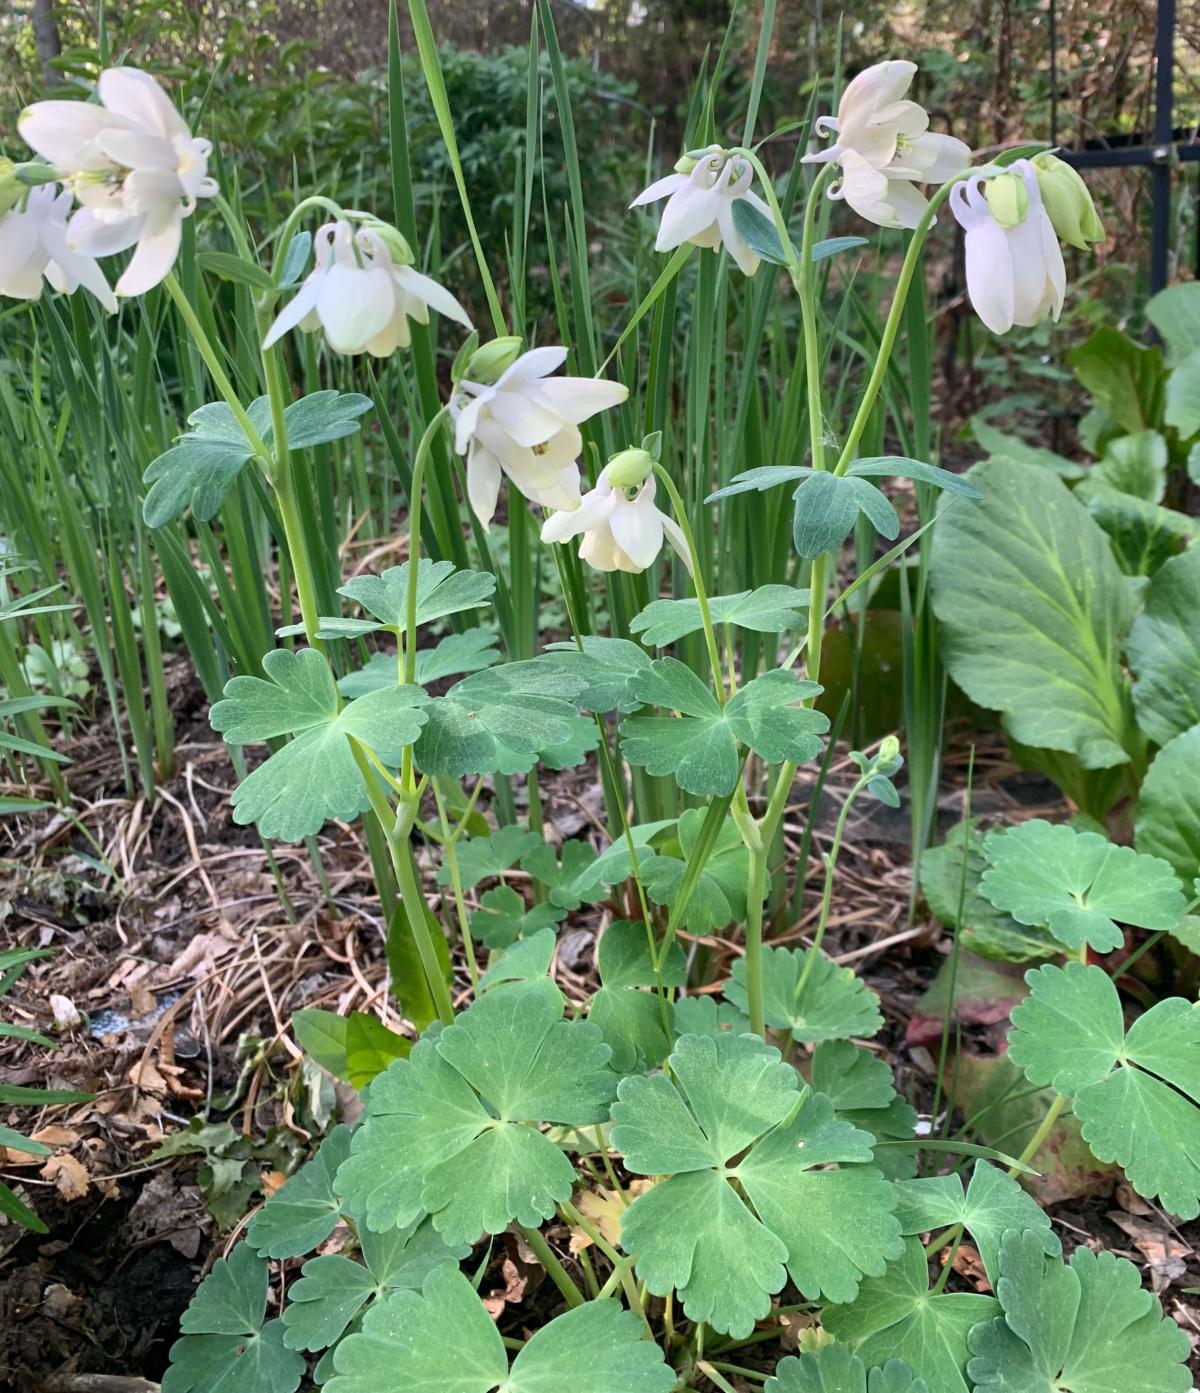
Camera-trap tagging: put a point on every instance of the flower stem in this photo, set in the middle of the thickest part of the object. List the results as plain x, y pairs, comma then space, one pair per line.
710, 637
557, 1273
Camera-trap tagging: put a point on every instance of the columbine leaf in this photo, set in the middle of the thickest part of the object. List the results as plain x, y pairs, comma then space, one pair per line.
503, 916
899, 467
452, 1129
442, 1338
498, 721
986, 931
834, 1369
701, 747
1164, 650
615, 863
827, 507
201, 467
481, 858
526, 961
606, 667
694, 1233
334, 1289
1026, 571
314, 777
702, 1015
441, 590
1078, 884
833, 1005
862, 1090
226, 1348
896, 1316
559, 874
1168, 809
635, 1023
1086, 1327
302, 1215
471, 651
718, 894
990, 1204
770, 609
1135, 1094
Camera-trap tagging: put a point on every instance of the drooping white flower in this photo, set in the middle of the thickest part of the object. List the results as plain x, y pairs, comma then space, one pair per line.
1015, 274
622, 528
885, 148
134, 167
360, 296
526, 425
33, 246
700, 206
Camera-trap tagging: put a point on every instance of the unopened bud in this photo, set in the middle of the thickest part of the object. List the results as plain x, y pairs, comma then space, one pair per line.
492, 359
629, 468
687, 162
1008, 198
1068, 202
12, 191
889, 752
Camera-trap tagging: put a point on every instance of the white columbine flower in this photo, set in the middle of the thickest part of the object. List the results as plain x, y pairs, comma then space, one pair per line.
33, 245
1015, 274
622, 528
132, 164
885, 148
360, 296
700, 206
526, 425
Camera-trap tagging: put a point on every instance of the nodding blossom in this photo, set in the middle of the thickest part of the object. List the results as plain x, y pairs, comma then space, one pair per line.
33, 248
362, 292
133, 166
885, 148
526, 425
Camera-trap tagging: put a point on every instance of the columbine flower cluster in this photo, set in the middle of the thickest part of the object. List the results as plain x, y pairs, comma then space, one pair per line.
135, 170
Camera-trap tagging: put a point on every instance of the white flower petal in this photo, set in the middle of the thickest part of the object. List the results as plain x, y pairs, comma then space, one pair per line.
660, 189
688, 213
136, 149
575, 399
154, 257
65, 133
875, 87
735, 244
523, 418
483, 483
637, 529
990, 275
354, 305
138, 98
674, 534
301, 304
429, 292
538, 362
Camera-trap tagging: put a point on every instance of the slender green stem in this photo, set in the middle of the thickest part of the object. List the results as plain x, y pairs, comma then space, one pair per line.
710, 636
1034, 1145
756, 885
288, 230
414, 542
451, 845
557, 1273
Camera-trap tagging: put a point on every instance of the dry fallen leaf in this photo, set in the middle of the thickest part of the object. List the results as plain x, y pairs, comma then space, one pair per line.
1164, 1253
604, 1209
53, 1135
70, 1176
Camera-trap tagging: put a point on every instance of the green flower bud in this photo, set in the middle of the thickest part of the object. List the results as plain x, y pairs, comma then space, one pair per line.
1068, 202
889, 750
687, 162
492, 359
1008, 198
629, 468
12, 191
395, 242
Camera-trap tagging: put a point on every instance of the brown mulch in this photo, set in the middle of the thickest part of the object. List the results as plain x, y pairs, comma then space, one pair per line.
172, 944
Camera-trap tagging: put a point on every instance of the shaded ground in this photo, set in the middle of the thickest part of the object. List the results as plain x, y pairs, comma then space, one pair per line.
184, 970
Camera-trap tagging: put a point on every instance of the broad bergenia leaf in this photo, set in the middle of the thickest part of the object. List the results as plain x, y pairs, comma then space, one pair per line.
1164, 650
302, 1215
1168, 809
634, 1020
732, 1096
991, 1203
607, 668
441, 1338
1078, 884
481, 858
897, 1316
700, 747
810, 995
771, 609
1027, 571
453, 1128
834, 1369
985, 930
503, 917
225, 1346
1083, 1327
498, 721
334, 1289
314, 777
1135, 1093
